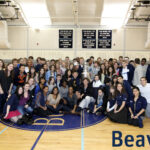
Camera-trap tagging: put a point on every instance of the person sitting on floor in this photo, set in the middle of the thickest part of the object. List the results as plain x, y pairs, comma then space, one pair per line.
137, 108
111, 100
40, 107
64, 89
120, 111
53, 101
96, 85
10, 109
25, 101
99, 106
70, 102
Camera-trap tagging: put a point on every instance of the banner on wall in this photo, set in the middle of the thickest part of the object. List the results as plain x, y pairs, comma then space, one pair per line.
65, 38
89, 39
105, 39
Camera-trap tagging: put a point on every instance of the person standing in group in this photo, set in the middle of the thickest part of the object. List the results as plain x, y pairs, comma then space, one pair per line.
6, 84
131, 70
144, 66
2, 64
138, 72
145, 92
148, 74
19, 78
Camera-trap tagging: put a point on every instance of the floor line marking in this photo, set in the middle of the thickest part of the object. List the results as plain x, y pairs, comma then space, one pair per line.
82, 139
82, 131
38, 138
3, 130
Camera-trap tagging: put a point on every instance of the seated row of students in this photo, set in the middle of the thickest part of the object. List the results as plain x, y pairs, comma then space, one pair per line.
113, 103
132, 113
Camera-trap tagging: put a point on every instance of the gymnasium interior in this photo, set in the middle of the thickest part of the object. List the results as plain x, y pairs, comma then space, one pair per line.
69, 31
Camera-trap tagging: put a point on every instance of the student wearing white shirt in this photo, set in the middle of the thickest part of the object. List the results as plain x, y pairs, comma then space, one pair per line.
96, 85
95, 70
125, 70
145, 92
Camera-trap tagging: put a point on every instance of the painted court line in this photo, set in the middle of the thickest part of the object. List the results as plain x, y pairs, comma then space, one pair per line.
38, 138
82, 130
82, 139
3, 130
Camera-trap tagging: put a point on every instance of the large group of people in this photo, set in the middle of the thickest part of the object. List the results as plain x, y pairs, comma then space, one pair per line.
119, 88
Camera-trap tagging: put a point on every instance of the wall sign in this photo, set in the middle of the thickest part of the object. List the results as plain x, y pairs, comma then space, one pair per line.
104, 39
89, 39
65, 38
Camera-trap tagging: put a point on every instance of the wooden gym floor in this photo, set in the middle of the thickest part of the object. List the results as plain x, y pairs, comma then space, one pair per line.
96, 137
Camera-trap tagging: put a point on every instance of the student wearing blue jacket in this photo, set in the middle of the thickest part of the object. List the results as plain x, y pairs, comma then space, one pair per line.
119, 114
148, 74
51, 73
137, 107
127, 87
40, 103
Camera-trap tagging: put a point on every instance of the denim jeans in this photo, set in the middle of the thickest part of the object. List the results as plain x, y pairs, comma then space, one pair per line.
24, 110
55, 110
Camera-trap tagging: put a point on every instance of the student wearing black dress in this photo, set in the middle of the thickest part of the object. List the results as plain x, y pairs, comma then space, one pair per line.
6, 83
119, 114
